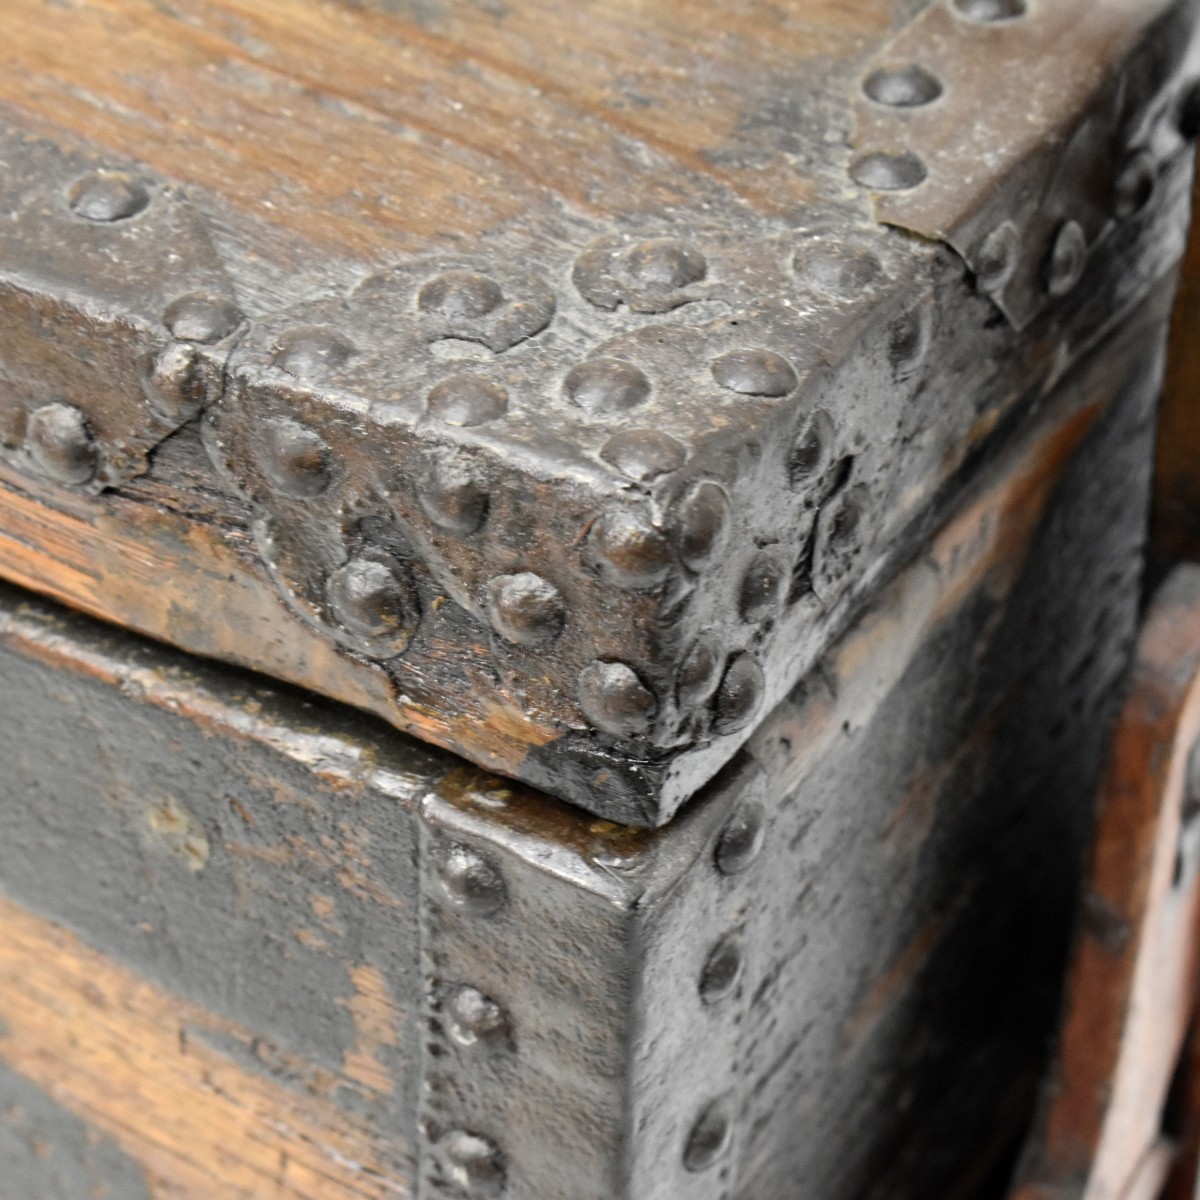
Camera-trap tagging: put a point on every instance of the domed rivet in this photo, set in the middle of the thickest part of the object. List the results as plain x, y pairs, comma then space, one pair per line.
761, 588
703, 524
810, 451
614, 699
1188, 112
664, 262
368, 598
201, 318
632, 552
839, 270
739, 695
741, 841
1135, 185
525, 609
607, 385
722, 970
908, 338
177, 386
474, 1020
709, 1138
699, 673
107, 196
61, 445
988, 12
755, 373
472, 1164
451, 495
998, 258
909, 86
470, 882
466, 400
1067, 259
464, 294
296, 460
312, 352
643, 454
885, 171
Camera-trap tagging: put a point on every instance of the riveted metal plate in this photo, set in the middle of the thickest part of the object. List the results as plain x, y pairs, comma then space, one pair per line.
1021, 132
118, 313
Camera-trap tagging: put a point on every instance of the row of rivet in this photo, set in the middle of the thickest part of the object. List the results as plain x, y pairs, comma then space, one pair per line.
528, 610
997, 258
59, 438
912, 86
476, 888
471, 1161
737, 846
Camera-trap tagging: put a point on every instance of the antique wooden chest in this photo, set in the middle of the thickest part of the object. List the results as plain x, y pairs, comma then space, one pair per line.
733, 422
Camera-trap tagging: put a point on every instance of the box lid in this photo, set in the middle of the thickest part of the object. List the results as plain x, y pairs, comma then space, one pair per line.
555, 380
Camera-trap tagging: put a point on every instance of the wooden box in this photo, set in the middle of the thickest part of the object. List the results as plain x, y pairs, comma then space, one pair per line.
733, 421
255, 944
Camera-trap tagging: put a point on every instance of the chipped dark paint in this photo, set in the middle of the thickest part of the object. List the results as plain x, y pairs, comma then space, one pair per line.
50, 1154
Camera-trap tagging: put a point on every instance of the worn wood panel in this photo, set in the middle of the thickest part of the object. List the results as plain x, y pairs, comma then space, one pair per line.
140, 1065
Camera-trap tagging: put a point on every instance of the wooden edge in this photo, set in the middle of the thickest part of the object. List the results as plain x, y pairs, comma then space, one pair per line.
1131, 989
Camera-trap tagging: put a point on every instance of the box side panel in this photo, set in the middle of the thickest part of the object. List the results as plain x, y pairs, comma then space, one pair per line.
209, 939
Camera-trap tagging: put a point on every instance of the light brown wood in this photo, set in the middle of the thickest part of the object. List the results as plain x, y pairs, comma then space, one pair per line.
368, 130
133, 1061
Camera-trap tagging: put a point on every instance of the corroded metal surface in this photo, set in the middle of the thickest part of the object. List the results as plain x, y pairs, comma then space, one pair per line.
1107, 1126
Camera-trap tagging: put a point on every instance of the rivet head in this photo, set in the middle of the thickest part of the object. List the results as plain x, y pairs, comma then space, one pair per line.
107, 196
1188, 112
1067, 259
615, 700
607, 385
464, 294
471, 1163
311, 352
837, 269
989, 12
709, 1138
722, 970
644, 454
762, 586
473, 1020
739, 695
200, 318
908, 86
470, 882
909, 336
61, 445
699, 673
296, 461
741, 841
666, 263
998, 257
177, 385
370, 598
525, 609
810, 451
451, 495
703, 524
755, 373
889, 171
632, 553
465, 400
1135, 185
